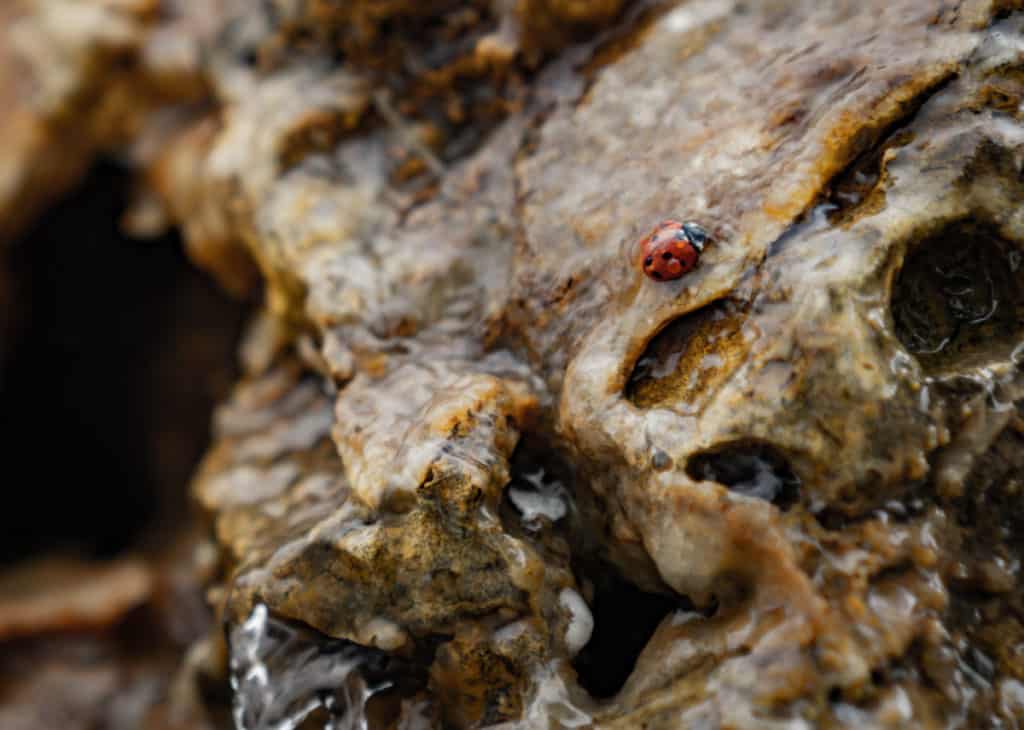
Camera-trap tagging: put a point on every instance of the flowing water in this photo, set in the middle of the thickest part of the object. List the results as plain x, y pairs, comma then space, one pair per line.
282, 674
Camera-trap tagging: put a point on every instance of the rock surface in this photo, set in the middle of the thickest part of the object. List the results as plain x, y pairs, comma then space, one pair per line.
468, 421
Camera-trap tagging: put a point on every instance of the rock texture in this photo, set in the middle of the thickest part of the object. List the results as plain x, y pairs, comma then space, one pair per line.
467, 419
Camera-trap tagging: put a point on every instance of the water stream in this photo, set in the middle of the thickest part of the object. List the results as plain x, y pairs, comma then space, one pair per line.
282, 673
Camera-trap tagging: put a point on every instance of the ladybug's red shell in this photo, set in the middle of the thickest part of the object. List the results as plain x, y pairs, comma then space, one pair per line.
671, 250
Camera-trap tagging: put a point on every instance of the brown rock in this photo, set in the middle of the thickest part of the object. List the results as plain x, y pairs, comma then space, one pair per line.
45, 596
466, 413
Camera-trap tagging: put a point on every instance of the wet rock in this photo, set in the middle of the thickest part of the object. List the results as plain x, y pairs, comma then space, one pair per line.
399, 546
77, 79
467, 418
99, 645
67, 595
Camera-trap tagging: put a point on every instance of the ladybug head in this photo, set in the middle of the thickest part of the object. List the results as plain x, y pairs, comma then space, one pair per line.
695, 234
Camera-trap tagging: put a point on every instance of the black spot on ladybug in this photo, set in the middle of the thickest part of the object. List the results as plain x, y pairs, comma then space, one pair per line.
648, 261
666, 256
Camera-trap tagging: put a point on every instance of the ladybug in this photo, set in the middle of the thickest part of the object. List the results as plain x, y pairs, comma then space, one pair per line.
672, 249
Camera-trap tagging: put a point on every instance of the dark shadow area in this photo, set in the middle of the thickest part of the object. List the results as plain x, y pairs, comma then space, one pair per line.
958, 301
625, 618
751, 469
117, 352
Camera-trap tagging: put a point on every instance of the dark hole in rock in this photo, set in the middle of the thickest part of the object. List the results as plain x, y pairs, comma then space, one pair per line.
958, 301
625, 618
691, 356
749, 468
856, 191
116, 353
